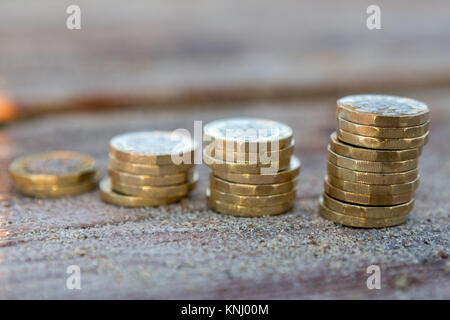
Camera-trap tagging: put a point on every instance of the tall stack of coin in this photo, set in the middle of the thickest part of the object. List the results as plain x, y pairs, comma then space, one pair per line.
149, 168
253, 170
54, 174
373, 160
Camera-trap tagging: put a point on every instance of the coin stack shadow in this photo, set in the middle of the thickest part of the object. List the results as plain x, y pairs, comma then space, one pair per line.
142, 172
54, 174
373, 160
245, 183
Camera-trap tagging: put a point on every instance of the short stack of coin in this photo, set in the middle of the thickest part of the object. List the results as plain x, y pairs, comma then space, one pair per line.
253, 170
149, 168
373, 160
54, 174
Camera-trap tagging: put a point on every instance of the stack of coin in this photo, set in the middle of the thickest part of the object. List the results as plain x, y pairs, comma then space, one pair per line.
149, 168
54, 174
373, 160
253, 170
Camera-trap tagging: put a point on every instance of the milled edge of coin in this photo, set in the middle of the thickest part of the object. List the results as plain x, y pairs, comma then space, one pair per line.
361, 211
279, 177
149, 180
252, 201
251, 189
138, 168
21, 175
108, 195
360, 153
381, 143
358, 222
383, 132
371, 166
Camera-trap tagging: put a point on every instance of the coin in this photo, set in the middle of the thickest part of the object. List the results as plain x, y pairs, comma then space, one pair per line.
153, 147
252, 201
148, 180
147, 169
251, 189
280, 177
248, 134
381, 143
371, 166
360, 222
109, 195
55, 167
383, 110
370, 177
367, 199
373, 189
359, 153
361, 211
251, 168
244, 211
157, 192
56, 191
380, 132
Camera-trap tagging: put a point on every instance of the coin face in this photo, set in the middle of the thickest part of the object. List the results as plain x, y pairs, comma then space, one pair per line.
247, 130
153, 143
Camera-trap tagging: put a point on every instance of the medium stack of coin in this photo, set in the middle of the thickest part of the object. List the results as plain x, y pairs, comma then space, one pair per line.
149, 168
253, 170
54, 174
373, 160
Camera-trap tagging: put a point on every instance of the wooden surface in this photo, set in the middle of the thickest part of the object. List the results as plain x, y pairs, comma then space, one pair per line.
202, 53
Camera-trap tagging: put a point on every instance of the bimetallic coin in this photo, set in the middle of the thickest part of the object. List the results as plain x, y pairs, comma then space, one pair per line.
147, 169
157, 192
358, 222
252, 201
55, 167
367, 199
247, 134
380, 132
370, 212
381, 143
280, 177
360, 153
373, 189
371, 166
153, 147
119, 177
109, 195
370, 177
251, 189
383, 110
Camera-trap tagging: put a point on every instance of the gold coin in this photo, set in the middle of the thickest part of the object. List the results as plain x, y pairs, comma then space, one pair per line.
251, 189
120, 177
359, 153
147, 169
371, 166
248, 134
360, 222
243, 211
55, 167
381, 143
109, 195
373, 189
280, 177
251, 168
380, 132
370, 177
370, 212
383, 110
153, 147
252, 201
57, 191
367, 199
256, 157
157, 192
